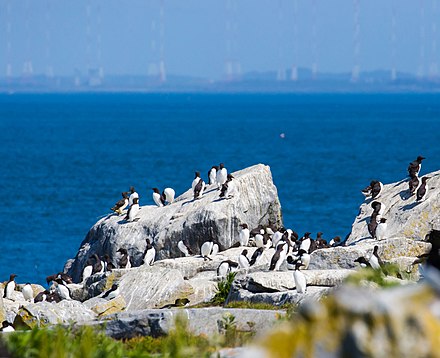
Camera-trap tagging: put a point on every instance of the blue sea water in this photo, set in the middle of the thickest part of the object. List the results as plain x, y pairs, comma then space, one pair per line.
66, 158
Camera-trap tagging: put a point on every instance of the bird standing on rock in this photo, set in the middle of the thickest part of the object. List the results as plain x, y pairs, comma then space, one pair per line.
209, 248
10, 287
124, 261
228, 188
133, 211
113, 292
198, 186
212, 175
415, 166
243, 261
168, 194
244, 235
120, 206
422, 191
376, 189
381, 229
149, 254
375, 260
158, 198
300, 279
221, 175
133, 195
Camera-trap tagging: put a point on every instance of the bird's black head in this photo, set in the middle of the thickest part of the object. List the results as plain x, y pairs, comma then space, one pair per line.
420, 158
156, 190
221, 166
383, 220
122, 251
197, 175
244, 252
114, 286
132, 189
12, 277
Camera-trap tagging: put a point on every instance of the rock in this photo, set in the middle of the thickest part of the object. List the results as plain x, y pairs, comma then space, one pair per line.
344, 256
153, 287
209, 217
2, 309
395, 322
103, 307
405, 216
278, 298
206, 321
279, 281
42, 314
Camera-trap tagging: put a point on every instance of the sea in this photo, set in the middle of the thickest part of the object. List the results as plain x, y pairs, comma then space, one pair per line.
66, 158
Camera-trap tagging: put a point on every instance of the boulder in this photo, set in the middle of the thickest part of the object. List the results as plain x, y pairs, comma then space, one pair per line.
210, 217
45, 313
344, 256
103, 307
406, 217
206, 321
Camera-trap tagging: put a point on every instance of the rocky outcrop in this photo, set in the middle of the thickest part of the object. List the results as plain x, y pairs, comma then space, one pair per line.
207, 321
210, 217
406, 217
361, 322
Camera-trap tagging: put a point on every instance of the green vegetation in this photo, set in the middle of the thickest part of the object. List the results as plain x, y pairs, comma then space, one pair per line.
223, 288
387, 277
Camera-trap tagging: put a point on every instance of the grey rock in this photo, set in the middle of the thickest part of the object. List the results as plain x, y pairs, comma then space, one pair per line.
314, 293
405, 216
256, 202
208, 321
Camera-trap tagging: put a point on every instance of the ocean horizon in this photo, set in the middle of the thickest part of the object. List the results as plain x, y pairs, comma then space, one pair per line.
67, 157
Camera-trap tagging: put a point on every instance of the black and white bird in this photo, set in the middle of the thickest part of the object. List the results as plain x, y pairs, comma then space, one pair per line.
221, 175
415, 166
62, 290
381, 229
113, 292
198, 186
378, 208
158, 198
375, 260
28, 292
256, 255
120, 205
414, 184
278, 257
7, 327
226, 267
277, 236
228, 190
209, 248
306, 241
372, 225
184, 247
133, 195
88, 269
149, 254
124, 261
10, 287
291, 262
108, 264
299, 278
363, 262
243, 261
422, 191
244, 235
168, 194
376, 189
212, 175
336, 241
98, 266
133, 210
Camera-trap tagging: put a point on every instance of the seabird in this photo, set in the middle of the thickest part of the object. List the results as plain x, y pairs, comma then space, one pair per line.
62, 290
183, 246
221, 176
256, 255
149, 254
10, 287
168, 194
415, 166
243, 261
372, 225
304, 257
212, 174
28, 292
158, 198
306, 241
381, 229
133, 210
7, 327
300, 279
291, 263
422, 191
363, 262
321, 243
376, 189
41, 296
209, 248
111, 293
375, 260
87, 270
228, 188
336, 241
276, 237
133, 195
226, 267
244, 235
124, 261
121, 204
378, 208
414, 184
108, 264
98, 266
199, 186
278, 257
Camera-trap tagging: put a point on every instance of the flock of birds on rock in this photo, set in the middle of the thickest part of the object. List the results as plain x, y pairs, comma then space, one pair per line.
288, 246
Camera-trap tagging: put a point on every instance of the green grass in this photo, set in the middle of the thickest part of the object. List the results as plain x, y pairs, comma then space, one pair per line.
223, 288
379, 277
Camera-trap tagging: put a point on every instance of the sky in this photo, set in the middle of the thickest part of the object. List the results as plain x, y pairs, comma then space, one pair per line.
199, 37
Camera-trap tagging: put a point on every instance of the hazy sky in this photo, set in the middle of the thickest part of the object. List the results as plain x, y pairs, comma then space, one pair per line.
199, 36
